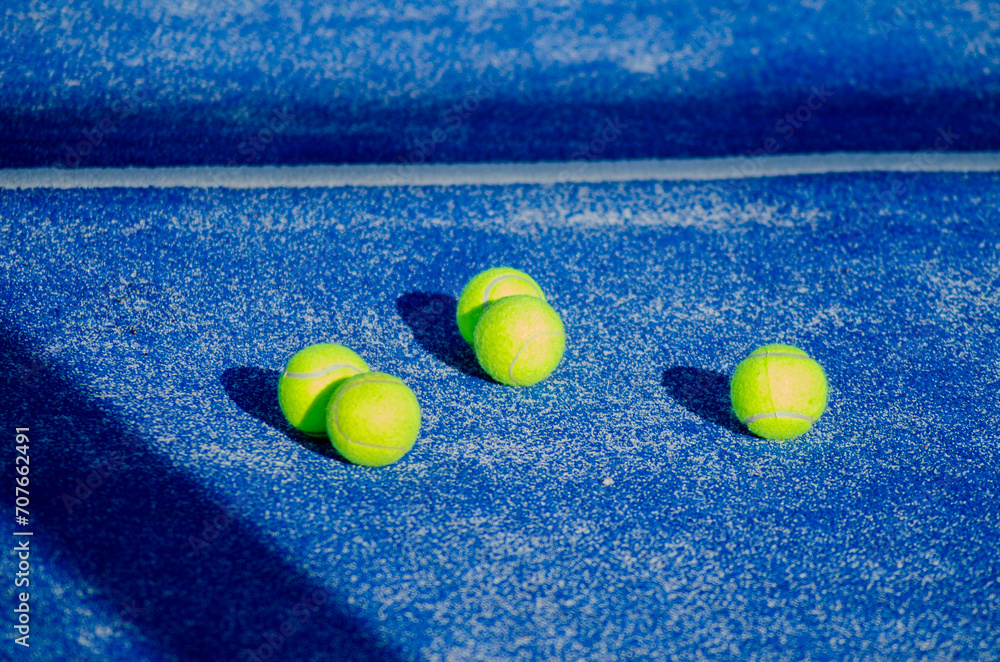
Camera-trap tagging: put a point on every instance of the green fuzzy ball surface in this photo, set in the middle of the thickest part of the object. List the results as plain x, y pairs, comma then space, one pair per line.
778, 392
373, 419
489, 286
310, 377
519, 340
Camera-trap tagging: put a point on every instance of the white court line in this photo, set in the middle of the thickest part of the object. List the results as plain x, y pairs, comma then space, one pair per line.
325, 176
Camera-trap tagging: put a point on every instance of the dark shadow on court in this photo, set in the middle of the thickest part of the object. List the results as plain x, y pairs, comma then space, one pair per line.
431, 316
553, 125
169, 560
255, 391
704, 393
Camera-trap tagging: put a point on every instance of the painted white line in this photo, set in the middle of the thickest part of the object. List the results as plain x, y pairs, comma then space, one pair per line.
329, 176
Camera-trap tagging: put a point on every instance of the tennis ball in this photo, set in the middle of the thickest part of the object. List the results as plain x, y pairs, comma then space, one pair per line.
373, 419
519, 340
310, 376
778, 392
486, 287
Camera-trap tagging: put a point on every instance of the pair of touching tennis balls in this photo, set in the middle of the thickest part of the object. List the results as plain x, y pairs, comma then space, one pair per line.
371, 418
517, 336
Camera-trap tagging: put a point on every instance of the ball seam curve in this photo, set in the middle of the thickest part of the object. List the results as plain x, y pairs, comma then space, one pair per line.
510, 370
778, 414
499, 279
336, 422
321, 373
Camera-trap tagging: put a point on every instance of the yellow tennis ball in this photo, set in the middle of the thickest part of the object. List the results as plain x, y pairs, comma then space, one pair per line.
778, 392
519, 340
486, 287
310, 376
373, 419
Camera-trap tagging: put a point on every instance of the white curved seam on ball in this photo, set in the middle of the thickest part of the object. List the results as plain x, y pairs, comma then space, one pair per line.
510, 371
784, 355
778, 414
323, 372
499, 279
336, 422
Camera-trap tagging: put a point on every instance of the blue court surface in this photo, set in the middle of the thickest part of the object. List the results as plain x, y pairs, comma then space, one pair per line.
614, 512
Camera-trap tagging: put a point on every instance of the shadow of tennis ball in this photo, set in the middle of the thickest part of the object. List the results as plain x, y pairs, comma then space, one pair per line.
431, 317
255, 391
704, 393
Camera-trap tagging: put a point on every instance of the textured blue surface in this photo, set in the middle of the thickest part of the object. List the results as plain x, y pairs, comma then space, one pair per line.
143, 331
92, 83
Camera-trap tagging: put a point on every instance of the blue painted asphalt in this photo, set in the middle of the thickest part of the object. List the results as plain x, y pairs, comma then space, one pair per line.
615, 511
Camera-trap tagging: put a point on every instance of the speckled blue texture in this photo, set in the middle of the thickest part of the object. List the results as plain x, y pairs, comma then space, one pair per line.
613, 512
156, 82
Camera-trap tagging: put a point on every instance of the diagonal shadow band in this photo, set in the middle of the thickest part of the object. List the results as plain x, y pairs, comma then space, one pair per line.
431, 316
704, 393
130, 536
